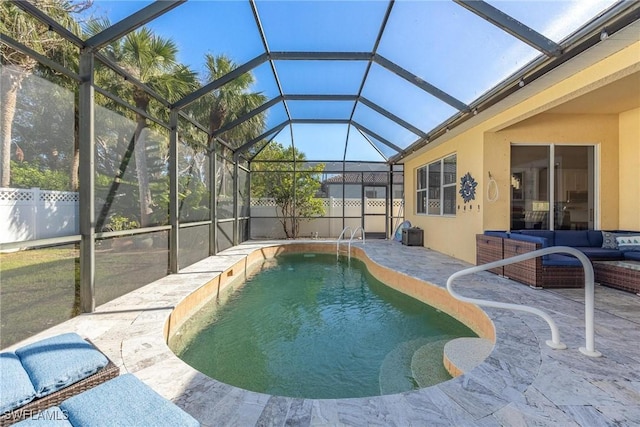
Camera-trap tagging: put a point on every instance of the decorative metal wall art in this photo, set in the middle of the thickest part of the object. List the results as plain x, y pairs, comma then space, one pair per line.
468, 187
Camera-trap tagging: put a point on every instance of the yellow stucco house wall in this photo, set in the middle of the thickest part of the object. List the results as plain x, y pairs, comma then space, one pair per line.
597, 105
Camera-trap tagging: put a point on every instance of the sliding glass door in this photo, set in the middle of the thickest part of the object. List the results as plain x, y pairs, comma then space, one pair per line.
552, 187
574, 195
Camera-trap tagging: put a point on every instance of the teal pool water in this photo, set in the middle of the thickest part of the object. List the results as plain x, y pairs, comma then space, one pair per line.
310, 326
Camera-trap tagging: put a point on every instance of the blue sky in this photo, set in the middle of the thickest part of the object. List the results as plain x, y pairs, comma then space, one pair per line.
437, 40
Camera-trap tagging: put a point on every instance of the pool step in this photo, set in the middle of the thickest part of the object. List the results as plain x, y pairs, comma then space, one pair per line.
395, 371
463, 354
427, 367
414, 364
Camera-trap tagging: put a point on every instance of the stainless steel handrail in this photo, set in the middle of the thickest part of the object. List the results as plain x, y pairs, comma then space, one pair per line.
589, 289
353, 234
344, 230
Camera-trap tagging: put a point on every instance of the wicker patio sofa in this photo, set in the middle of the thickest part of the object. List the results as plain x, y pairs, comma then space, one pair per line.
549, 271
490, 247
43, 374
555, 270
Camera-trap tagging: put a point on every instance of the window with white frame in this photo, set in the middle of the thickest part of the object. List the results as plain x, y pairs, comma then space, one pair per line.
436, 187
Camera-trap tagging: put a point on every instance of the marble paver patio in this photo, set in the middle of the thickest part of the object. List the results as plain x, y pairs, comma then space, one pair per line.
522, 382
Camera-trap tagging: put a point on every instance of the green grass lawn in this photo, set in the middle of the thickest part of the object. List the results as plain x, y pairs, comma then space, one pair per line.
120, 272
39, 288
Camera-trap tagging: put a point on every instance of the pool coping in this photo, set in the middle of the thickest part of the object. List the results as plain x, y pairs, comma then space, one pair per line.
521, 382
234, 276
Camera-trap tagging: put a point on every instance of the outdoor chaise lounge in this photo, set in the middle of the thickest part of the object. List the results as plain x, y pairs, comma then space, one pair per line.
45, 373
66, 380
123, 401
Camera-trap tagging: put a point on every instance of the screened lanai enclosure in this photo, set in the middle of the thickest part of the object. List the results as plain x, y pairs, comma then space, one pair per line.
139, 137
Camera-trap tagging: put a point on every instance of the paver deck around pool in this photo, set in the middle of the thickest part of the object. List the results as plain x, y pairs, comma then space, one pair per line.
522, 382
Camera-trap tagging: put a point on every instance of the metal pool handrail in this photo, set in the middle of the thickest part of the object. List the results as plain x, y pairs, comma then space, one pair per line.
344, 230
589, 306
353, 234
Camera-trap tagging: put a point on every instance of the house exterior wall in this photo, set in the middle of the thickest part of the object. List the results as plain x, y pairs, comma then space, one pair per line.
600, 131
351, 191
447, 234
629, 167
483, 148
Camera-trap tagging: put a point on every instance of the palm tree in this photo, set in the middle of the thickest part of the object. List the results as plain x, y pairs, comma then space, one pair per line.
225, 104
152, 60
17, 66
231, 101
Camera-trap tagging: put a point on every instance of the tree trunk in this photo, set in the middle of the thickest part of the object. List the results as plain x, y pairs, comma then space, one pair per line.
11, 80
295, 226
284, 209
75, 167
286, 228
140, 151
115, 184
75, 161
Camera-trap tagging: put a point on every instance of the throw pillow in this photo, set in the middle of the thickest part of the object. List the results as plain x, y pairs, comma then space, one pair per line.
629, 242
609, 240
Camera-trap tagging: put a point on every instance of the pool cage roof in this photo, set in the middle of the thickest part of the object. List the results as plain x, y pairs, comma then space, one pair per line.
363, 81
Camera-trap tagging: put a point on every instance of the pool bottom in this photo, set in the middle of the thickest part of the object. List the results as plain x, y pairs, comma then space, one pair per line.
327, 340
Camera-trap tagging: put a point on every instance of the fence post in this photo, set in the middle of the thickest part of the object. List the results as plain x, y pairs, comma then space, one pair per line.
35, 203
330, 214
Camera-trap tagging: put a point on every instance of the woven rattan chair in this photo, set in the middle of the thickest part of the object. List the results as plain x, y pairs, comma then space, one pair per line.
53, 389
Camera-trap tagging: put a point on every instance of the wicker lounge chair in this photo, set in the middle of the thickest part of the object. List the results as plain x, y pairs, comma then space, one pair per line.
45, 373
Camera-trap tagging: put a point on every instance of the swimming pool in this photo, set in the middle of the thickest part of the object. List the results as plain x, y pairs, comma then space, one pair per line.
310, 326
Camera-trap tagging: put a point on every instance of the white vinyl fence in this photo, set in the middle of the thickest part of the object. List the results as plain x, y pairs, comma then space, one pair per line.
32, 213
265, 224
